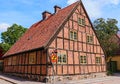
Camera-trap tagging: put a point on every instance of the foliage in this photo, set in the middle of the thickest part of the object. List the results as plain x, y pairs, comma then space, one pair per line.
5, 47
106, 30
109, 73
10, 36
1, 66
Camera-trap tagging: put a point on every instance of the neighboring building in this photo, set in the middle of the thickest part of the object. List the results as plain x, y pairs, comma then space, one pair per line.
69, 34
114, 61
1, 59
1, 54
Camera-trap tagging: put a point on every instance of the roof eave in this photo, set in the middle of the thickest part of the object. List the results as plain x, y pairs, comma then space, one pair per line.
41, 48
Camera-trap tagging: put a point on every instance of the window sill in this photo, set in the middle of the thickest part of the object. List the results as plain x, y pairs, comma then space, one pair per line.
82, 25
73, 39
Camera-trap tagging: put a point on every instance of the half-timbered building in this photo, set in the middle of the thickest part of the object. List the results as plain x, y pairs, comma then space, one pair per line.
67, 33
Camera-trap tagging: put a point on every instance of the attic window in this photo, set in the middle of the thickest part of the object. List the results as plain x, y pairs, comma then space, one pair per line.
89, 39
81, 21
73, 35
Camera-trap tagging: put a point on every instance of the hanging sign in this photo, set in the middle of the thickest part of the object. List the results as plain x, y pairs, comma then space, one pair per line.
54, 58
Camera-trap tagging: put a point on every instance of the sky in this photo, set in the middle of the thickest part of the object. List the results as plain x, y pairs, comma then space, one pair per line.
27, 12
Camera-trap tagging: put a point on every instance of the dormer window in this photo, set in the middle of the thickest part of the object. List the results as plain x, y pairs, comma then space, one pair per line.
73, 35
81, 21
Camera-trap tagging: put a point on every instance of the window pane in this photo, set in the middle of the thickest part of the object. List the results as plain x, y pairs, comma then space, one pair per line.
59, 57
83, 60
75, 35
79, 21
64, 59
32, 58
71, 34
89, 39
83, 22
98, 60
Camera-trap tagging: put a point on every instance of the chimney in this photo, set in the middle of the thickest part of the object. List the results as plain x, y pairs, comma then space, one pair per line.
46, 14
56, 8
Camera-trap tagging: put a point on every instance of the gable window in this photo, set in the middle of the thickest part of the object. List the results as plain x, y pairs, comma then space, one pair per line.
81, 21
62, 58
83, 59
73, 35
89, 39
98, 60
32, 58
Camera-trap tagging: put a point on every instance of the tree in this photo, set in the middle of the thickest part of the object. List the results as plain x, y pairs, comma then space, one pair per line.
10, 36
106, 30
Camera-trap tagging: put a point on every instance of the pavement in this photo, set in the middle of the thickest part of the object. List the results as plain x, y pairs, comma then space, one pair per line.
115, 79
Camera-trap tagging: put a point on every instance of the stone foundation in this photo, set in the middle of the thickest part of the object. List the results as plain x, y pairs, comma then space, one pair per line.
76, 77
59, 78
29, 77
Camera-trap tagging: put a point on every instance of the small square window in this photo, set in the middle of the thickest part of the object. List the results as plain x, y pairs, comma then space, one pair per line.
83, 59
9, 61
14, 60
89, 39
81, 21
98, 60
73, 35
62, 58
32, 58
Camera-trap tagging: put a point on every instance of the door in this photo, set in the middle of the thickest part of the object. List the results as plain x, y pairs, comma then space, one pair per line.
113, 66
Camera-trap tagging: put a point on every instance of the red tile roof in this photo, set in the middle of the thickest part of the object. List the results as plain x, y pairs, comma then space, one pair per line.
41, 32
118, 35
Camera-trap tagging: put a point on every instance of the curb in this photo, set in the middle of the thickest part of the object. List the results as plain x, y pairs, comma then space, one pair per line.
7, 80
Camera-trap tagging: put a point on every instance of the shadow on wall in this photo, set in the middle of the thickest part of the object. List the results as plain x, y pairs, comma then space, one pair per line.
1, 66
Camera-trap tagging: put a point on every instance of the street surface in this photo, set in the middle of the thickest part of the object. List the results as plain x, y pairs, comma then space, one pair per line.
6, 79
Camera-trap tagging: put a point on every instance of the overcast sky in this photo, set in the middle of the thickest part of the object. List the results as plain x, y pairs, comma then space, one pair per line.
27, 12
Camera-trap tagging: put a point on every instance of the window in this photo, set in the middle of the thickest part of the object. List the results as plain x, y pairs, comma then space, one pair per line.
9, 61
81, 21
32, 58
62, 58
98, 60
14, 60
73, 35
83, 59
89, 39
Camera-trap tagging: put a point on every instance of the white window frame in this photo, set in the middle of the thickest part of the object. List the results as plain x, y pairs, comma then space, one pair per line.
98, 60
73, 35
61, 58
81, 21
89, 39
83, 59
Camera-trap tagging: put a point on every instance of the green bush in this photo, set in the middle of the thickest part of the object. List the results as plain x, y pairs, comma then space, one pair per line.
109, 73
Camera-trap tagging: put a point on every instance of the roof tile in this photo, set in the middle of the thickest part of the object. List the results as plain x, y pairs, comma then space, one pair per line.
39, 33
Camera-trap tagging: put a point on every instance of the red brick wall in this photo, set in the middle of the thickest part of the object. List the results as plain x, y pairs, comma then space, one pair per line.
80, 47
